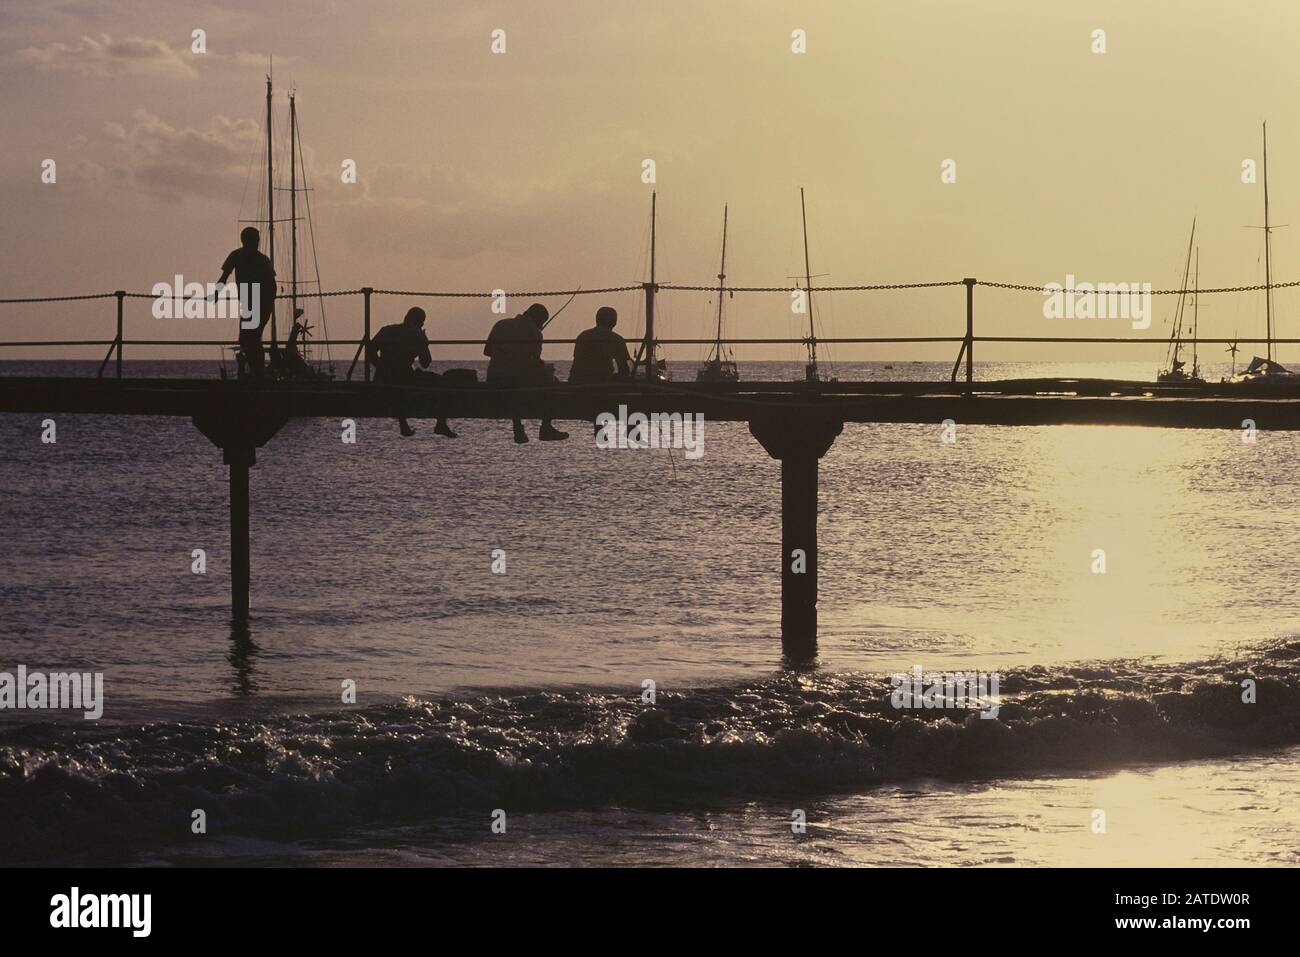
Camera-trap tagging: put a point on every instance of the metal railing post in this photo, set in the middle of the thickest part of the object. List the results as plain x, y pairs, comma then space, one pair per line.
365, 338
970, 329
121, 296
650, 371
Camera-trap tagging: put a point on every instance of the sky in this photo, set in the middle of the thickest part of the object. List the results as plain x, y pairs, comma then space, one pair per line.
523, 170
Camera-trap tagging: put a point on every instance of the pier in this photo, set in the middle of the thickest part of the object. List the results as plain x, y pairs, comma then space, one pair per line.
796, 423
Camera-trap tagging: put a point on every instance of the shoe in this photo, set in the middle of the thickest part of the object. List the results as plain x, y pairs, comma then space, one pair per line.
521, 436
442, 428
407, 431
552, 434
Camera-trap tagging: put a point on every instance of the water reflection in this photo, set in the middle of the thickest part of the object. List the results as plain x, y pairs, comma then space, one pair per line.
242, 657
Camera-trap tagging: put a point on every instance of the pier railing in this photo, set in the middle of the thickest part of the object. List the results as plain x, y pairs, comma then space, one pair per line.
966, 340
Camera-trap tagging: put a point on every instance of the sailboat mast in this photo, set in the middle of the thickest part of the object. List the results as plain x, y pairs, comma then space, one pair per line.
811, 371
293, 208
1268, 256
270, 194
722, 276
654, 199
650, 369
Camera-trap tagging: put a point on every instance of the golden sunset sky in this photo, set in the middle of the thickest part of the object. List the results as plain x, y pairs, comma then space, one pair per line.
523, 170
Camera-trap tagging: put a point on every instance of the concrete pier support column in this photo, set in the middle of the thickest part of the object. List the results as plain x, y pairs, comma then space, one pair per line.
798, 440
239, 430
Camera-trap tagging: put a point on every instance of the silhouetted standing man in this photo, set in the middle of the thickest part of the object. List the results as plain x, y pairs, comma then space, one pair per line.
514, 348
393, 350
255, 276
600, 353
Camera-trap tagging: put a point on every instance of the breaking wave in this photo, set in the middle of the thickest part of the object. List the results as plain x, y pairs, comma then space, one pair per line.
109, 791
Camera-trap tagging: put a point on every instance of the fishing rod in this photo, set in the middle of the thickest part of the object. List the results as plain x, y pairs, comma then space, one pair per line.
556, 314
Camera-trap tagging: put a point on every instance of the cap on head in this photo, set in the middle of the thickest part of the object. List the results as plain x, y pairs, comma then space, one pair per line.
537, 312
606, 316
249, 236
414, 315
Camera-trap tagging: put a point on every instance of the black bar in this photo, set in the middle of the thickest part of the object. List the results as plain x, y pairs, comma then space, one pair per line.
968, 908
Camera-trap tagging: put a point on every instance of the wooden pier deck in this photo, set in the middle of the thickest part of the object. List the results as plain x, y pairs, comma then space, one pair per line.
1004, 402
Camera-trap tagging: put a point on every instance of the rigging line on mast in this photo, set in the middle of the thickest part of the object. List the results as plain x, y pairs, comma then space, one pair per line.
642, 268
256, 157
1175, 334
812, 332
717, 352
270, 190
1268, 255
1196, 311
824, 319
646, 350
311, 231
663, 306
293, 214
248, 175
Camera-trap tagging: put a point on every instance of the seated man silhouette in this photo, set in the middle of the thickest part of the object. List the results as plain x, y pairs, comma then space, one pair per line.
393, 350
514, 350
600, 353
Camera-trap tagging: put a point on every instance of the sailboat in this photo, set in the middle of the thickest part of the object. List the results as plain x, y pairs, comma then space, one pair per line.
294, 360
1177, 368
1264, 370
720, 366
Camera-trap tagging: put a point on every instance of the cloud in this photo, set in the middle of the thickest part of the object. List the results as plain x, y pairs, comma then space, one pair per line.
103, 56
150, 155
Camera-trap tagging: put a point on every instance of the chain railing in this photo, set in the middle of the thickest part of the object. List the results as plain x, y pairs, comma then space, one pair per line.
967, 340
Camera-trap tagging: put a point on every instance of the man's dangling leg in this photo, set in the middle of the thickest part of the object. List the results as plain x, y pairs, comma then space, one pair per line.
402, 425
442, 426
250, 347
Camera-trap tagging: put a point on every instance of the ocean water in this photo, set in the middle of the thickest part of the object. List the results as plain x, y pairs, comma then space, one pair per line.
522, 692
